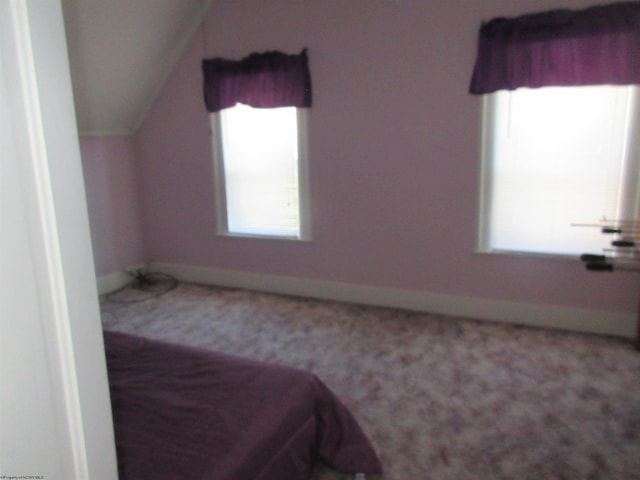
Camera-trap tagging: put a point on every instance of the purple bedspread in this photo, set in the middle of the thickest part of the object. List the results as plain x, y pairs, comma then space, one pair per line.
186, 413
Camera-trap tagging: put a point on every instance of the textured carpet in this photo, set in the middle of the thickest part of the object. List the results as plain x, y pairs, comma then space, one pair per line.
440, 397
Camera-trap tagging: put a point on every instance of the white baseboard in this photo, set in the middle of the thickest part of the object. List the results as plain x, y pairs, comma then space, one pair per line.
565, 318
112, 282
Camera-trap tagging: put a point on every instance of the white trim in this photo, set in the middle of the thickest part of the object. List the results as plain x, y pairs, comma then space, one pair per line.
113, 281
485, 174
62, 416
219, 185
564, 318
44, 221
304, 191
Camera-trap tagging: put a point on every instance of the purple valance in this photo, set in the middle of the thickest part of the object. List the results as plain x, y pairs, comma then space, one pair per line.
261, 80
595, 46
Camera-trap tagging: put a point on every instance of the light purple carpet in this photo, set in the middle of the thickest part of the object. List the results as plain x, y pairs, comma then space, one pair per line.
440, 397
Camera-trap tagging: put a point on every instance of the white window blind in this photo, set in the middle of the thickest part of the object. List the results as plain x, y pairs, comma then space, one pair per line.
554, 157
260, 158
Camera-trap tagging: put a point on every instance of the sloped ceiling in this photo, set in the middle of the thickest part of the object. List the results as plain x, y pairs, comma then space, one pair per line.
121, 52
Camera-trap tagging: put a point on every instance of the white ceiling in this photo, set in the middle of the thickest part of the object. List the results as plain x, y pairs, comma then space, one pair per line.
121, 52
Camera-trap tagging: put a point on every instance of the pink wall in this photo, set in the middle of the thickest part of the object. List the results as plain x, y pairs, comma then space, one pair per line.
109, 165
394, 155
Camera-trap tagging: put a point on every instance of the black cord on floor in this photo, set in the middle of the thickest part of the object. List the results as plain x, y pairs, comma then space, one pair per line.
143, 286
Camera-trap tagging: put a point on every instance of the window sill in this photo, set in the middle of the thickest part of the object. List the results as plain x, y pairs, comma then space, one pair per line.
531, 255
263, 237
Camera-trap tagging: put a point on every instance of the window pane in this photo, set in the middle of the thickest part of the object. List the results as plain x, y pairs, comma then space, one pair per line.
260, 158
557, 157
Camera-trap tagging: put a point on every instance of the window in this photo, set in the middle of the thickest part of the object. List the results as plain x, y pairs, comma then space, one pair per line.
561, 134
261, 171
555, 157
258, 111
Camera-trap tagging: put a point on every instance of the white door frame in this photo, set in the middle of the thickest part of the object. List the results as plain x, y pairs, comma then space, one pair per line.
55, 414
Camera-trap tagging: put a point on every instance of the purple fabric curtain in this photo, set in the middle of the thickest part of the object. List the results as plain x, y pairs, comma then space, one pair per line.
595, 46
261, 80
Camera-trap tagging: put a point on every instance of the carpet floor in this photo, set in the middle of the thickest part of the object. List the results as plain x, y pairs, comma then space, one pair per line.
440, 397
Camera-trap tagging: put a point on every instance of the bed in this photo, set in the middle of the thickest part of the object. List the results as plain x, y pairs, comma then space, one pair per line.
186, 413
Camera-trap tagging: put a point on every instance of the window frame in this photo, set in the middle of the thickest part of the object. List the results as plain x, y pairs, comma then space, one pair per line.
304, 213
631, 179
487, 125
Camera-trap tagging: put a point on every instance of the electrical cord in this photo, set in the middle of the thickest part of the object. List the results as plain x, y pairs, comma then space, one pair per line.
143, 286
